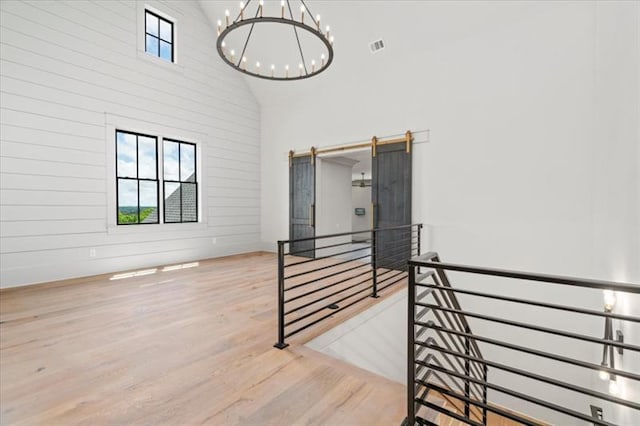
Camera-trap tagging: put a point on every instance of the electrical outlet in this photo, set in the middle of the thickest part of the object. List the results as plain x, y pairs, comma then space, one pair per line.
596, 413
92, 252
214, 241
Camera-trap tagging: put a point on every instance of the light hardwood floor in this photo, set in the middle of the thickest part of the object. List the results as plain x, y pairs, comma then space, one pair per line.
185, 346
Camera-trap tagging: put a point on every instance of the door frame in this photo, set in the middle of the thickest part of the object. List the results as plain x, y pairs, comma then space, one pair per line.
373, 144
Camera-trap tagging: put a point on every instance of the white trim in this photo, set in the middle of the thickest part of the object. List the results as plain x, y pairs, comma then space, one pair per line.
115, 122
173, 66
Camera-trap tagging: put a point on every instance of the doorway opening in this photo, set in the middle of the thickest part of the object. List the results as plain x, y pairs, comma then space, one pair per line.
347, 189
343, 189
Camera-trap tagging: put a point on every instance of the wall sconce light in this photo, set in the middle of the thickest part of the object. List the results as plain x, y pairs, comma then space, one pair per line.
608, 359
609, 300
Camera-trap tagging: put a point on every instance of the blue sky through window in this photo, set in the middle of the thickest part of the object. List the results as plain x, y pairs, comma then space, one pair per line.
171, 171
158, 36
152, 24
187, 162
137, 175
126, 155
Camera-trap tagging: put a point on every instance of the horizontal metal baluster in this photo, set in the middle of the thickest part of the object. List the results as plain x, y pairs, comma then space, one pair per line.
537, 377
445, 397
319, 248
547, 330
446, 343
441, 278
560, 358
477, 390
546, 278
293, 321
392, 283
344, 234
447, 412
293, 287
322, 268
396, 273
524, 397
303, 295
326, 316
297, 308
455, 339
503, 413
315, 259
534, 303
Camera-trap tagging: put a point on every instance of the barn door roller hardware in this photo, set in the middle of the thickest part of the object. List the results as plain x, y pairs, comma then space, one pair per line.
373, 144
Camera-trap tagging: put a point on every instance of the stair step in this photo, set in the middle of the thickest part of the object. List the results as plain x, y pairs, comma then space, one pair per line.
430, 414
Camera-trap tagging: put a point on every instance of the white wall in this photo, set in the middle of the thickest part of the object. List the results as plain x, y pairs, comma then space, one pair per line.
616, 208
361, 197
333, 202
531, 162
375, 339
72, 71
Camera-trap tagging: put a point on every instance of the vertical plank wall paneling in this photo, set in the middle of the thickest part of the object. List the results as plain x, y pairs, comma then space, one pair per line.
72, 71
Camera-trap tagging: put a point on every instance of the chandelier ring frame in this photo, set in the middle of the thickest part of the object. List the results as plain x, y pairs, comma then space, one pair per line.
283, 21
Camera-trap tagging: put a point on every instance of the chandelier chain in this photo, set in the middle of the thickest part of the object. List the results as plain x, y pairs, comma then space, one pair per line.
295, 31
246, 42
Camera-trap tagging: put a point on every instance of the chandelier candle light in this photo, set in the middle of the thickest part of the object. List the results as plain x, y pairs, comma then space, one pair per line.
259, 15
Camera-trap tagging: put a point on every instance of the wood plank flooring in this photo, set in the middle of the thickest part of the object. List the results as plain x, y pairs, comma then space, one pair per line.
186, 346
175, 346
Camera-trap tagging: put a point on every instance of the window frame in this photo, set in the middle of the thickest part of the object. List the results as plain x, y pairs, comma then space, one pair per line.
162, 130
180, 181
159, 37
137, 178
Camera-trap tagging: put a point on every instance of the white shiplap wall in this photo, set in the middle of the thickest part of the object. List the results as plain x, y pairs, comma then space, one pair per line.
73, 71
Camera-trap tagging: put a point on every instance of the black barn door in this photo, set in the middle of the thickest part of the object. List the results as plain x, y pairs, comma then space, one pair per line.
391, 197
302, 200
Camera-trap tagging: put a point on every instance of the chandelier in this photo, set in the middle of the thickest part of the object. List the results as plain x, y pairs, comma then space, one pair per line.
233, 49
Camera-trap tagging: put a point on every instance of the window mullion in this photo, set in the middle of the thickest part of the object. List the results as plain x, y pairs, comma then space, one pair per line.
180, 178
159, 168
138, 176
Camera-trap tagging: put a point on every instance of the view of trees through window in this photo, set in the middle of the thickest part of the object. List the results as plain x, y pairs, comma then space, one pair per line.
137, 178
138, 183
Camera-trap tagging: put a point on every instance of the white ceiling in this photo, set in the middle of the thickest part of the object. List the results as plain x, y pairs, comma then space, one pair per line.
409, 28
362, 158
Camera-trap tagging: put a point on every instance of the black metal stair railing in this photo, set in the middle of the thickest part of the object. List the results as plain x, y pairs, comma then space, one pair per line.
332, 273
453, 388
445, 335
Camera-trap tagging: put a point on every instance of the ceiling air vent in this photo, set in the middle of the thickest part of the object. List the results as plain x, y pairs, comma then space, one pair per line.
376, 46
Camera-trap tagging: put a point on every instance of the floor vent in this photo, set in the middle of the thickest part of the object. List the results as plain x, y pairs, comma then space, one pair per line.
376, 46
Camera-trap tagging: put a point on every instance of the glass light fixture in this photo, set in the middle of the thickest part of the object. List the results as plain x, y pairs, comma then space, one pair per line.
614, 389
604, 375
609, 300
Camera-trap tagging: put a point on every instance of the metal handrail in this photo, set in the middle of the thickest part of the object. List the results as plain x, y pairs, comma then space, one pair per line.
344, 234
417, 343
530, 276
348, 281
432, 258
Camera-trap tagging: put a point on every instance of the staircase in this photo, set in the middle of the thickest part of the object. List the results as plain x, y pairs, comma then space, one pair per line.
448, 375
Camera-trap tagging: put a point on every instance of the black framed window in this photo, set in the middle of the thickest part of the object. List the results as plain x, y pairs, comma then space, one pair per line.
136, 178
180, 182
158, 36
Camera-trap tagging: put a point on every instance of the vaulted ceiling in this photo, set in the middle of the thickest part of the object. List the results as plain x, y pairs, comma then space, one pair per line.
408, 28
